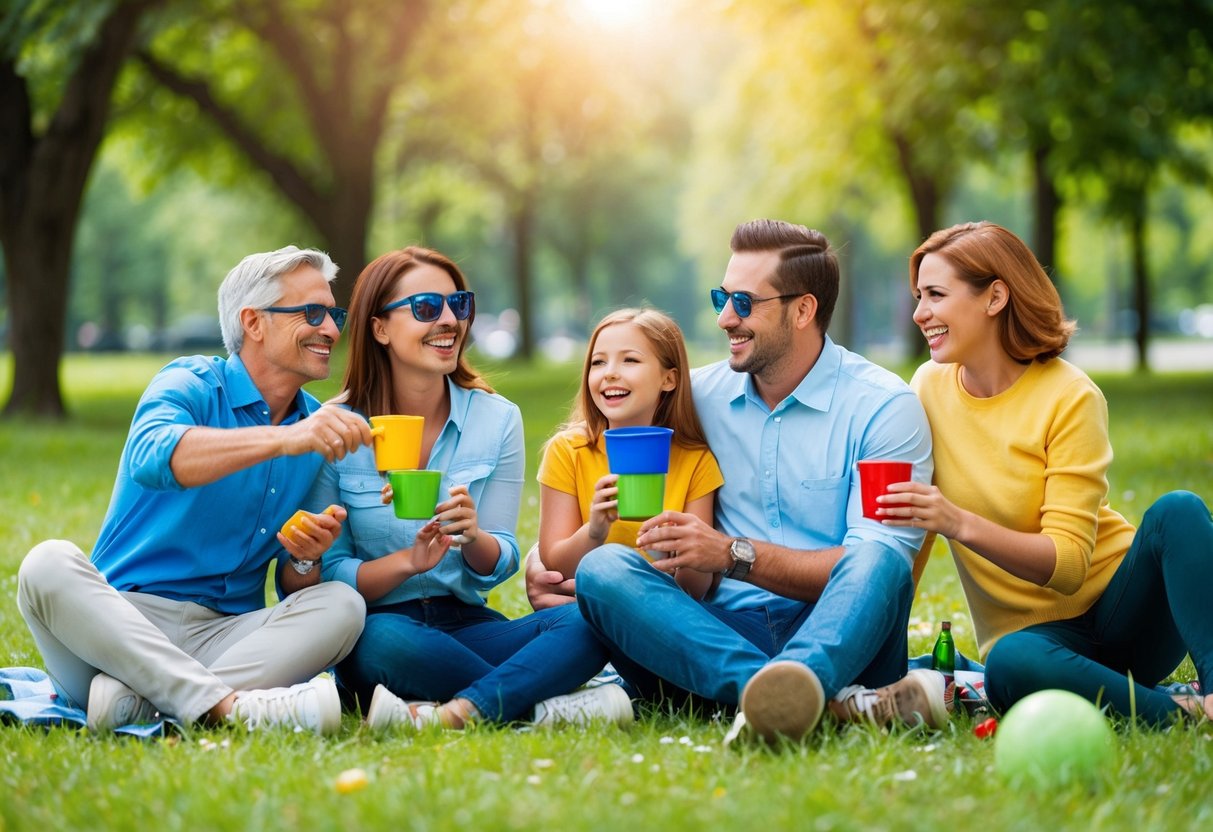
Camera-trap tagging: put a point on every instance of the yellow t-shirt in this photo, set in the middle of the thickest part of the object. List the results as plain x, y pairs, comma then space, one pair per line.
1033, 458
570, 464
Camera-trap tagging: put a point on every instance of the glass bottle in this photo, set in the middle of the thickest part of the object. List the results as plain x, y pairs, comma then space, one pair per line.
943, 657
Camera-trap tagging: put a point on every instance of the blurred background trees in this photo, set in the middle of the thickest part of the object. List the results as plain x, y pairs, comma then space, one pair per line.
578, 155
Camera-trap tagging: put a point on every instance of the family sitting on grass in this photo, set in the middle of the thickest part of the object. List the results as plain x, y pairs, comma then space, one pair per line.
761, 588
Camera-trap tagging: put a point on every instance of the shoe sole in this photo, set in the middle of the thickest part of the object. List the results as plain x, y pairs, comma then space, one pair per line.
785, 699
620, 706
329, 706
107, 688
936, 699
378, 703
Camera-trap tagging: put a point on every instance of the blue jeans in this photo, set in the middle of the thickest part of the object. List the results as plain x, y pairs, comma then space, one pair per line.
1154, 611
855, 632
442, 648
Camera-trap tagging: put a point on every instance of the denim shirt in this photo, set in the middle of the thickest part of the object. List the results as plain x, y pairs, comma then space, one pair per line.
209, 544
790, 474
480, 446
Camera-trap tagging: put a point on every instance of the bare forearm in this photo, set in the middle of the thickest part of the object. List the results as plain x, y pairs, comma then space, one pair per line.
1026, 555
482, 554
564, 555
793, 573
378, 577
204, 455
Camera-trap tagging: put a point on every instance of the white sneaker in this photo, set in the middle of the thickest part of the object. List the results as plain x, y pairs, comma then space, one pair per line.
387, 709
917, 699
112, 704
783, 699
605, 703
310, 706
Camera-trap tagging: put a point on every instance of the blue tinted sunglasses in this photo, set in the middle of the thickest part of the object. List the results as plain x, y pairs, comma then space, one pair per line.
427, 306
313, 313
743, 303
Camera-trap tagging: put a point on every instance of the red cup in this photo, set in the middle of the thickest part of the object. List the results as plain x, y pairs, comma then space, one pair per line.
875, 477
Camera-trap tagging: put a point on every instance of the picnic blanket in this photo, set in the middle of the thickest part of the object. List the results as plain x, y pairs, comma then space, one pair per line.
28, 696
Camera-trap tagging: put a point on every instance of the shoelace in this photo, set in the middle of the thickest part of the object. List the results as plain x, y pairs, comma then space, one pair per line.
276, 707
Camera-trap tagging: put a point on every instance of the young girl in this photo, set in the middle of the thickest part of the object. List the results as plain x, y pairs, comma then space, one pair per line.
429, 634
1064, 592
636, 374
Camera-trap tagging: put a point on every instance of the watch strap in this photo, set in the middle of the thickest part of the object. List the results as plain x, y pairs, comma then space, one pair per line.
303, 567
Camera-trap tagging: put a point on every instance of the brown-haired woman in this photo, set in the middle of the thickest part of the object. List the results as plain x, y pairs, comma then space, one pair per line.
1063, 591
429, 633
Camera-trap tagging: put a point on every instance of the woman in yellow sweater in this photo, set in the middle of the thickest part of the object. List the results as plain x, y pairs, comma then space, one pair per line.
1064, 592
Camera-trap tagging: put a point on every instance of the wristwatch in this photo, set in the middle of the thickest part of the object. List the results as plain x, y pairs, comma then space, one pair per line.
303, 567
742, 551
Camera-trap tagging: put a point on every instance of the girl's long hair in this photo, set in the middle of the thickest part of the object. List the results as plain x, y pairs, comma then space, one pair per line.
367, 386
675, 408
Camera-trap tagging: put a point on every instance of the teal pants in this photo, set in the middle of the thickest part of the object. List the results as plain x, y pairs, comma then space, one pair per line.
1155, 610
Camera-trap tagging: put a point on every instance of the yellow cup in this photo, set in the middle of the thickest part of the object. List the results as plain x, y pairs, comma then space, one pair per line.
397, 441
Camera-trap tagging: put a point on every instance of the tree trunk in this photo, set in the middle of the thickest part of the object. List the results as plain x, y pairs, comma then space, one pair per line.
1141, 284
42, 180
926, 197
523, 226
1046, 205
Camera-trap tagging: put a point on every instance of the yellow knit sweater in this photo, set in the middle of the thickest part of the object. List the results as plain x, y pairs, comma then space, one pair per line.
1033, 458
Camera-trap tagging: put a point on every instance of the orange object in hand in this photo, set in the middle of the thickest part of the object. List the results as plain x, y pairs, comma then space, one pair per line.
297, 519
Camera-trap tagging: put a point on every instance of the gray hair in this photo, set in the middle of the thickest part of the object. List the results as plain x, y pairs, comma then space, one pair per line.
256, 282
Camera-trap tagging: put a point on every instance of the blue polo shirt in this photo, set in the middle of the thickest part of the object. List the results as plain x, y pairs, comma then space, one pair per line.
210, 544
790, 476
480, 446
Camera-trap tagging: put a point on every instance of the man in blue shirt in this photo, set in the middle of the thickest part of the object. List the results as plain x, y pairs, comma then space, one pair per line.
169, 615
815, 598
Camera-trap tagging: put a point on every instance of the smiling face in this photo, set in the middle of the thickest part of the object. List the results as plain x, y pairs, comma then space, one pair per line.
625, 378
426, 347
292, 346
956, 321
758, 344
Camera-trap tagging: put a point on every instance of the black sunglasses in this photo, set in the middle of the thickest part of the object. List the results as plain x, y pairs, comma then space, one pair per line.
743, 303
314, 313
427, 306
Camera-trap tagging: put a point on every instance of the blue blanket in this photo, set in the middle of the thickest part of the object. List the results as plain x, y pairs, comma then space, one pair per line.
27, 696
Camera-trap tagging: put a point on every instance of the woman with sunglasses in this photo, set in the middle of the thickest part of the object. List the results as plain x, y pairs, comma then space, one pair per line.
429, 633
1063, 591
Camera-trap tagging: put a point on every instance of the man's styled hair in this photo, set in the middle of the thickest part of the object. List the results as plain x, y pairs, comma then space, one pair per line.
807, 264
256, 282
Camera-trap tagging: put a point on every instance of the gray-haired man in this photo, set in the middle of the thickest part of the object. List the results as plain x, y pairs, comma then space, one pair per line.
169, 614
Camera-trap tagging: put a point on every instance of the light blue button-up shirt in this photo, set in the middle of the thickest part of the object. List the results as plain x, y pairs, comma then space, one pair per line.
790, 474
480, 446
209, 544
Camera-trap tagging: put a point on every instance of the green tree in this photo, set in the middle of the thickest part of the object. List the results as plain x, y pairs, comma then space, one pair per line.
58, 67
302, 90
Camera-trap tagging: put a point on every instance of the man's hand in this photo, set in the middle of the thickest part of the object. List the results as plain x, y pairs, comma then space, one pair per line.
686, 541
312, 536
331, 432
546, 587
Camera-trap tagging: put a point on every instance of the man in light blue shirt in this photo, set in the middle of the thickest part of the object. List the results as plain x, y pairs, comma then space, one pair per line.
169, 616
815, 598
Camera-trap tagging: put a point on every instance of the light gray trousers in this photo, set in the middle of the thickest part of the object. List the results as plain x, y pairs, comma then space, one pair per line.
182, 657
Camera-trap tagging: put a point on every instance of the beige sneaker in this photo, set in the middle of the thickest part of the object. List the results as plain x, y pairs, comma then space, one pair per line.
112, 704
605, 703
309, 706
783, 699
917, 699
388, 710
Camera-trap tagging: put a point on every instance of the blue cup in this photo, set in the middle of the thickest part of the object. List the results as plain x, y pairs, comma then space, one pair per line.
638, 450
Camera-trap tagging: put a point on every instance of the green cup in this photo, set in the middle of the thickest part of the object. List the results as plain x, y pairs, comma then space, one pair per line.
415, 493
641, 496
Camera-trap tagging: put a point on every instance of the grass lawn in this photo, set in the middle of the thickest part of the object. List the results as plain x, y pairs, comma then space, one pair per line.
667, 772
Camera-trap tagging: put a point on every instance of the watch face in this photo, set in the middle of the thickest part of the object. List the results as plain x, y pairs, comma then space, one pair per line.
742, 549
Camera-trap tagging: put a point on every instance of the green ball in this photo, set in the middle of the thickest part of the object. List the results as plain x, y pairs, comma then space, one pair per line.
1053, 737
